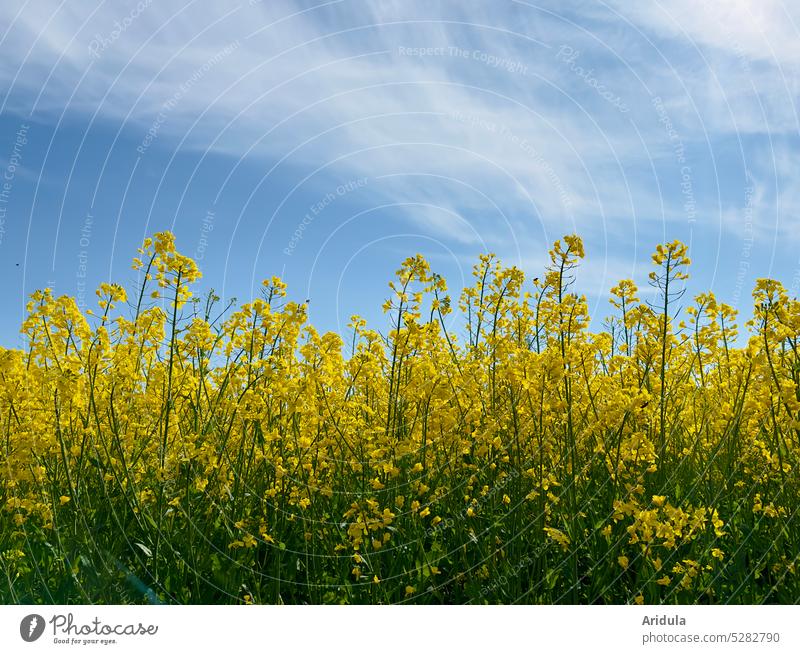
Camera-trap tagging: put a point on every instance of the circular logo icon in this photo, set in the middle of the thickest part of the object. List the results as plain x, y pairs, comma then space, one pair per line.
31, 627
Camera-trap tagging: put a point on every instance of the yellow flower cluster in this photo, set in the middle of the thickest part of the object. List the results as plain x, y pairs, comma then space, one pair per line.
164, 449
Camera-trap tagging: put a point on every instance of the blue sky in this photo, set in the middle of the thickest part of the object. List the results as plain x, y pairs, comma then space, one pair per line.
327, 141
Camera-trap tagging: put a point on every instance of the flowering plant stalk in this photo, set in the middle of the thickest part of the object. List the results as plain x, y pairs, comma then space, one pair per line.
169, 450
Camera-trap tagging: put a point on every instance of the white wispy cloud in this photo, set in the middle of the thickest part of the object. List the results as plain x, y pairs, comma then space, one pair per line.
338, 87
